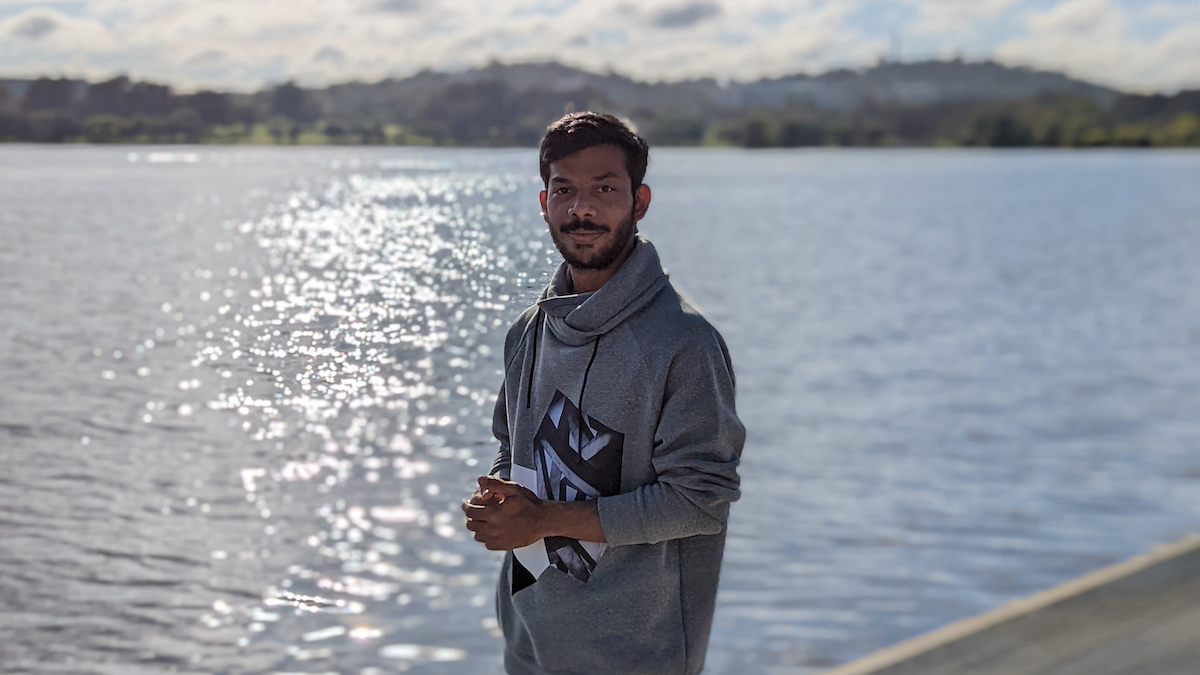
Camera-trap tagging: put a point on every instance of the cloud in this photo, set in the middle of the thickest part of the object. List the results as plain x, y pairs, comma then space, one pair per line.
330, 54
161, 39
1170, 10
1146, 45
950, 19
206, 59
59, 44
399, 6
1079, 17
34, 27
685, 15
1092, 39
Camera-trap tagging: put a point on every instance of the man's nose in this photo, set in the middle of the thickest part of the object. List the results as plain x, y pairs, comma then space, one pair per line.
581, 207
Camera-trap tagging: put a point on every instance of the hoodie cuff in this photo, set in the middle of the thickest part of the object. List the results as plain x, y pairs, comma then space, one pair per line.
619, 519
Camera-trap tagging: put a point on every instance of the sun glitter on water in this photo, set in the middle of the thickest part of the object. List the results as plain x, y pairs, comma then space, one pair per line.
365, 362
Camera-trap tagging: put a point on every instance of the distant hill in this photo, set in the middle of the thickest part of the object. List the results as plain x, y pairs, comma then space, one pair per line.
552, 80
889, 104
921, 83
17, 87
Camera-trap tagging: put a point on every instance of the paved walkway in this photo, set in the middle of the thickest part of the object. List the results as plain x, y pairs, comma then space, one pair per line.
1139, 617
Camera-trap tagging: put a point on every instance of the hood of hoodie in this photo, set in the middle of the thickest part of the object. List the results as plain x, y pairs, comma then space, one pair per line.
577, 318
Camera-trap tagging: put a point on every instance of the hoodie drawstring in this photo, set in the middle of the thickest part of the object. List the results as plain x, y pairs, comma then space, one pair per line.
583, 387
537, 328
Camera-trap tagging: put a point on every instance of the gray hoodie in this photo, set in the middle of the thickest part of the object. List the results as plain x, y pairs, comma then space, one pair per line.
625, 395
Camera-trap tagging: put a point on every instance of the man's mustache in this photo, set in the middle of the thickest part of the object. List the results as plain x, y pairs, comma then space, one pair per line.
577, 225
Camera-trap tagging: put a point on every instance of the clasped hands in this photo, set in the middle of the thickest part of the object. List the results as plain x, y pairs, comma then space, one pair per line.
503, 515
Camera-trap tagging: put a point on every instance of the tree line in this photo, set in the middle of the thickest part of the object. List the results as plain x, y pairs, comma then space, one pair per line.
493, 113
120, 110
1058, 120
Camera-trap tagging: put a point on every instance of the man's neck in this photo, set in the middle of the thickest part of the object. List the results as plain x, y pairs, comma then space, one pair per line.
588, 280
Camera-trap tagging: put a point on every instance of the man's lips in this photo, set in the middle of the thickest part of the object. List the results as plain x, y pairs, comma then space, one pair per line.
584, 234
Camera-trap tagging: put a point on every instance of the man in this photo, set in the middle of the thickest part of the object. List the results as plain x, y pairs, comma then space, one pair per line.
619, 441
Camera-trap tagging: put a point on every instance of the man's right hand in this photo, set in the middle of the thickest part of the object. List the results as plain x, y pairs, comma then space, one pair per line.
483, 496
504, 516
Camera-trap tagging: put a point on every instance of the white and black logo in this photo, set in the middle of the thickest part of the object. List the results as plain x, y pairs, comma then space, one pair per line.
575, 459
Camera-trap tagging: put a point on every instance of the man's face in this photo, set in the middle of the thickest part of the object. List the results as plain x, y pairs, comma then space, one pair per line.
591, 207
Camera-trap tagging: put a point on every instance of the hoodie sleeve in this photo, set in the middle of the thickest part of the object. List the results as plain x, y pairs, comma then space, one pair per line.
502, 465
697, 446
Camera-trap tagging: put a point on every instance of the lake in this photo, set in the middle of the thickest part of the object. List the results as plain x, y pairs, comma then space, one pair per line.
245, 390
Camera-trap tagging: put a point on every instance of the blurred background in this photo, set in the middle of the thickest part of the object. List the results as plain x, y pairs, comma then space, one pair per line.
257, 262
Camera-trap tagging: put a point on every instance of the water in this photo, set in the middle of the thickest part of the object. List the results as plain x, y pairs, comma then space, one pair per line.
245, 390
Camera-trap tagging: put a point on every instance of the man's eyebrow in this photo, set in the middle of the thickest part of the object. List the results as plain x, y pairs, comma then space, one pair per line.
559, 179
606, 176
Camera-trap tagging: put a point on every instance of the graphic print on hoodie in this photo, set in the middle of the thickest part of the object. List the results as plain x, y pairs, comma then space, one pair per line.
576, 458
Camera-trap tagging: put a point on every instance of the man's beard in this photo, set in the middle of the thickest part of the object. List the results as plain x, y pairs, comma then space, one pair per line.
603, 258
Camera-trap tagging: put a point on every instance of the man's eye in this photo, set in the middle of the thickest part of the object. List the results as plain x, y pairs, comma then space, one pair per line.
561, 190
607, 188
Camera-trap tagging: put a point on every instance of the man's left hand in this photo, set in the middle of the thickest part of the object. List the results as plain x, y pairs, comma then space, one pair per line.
503, 515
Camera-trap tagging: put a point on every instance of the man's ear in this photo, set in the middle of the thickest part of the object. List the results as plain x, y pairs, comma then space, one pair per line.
542, 201
641, 201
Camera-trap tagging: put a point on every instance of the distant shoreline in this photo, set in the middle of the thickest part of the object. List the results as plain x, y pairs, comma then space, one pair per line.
203, 144
919, 104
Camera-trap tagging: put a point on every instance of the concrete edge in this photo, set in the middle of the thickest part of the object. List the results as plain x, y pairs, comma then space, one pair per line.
1013, 609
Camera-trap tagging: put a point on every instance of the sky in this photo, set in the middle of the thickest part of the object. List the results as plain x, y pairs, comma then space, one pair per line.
242, 45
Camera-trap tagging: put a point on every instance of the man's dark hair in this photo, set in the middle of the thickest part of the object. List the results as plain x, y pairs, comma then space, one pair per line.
581, 130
